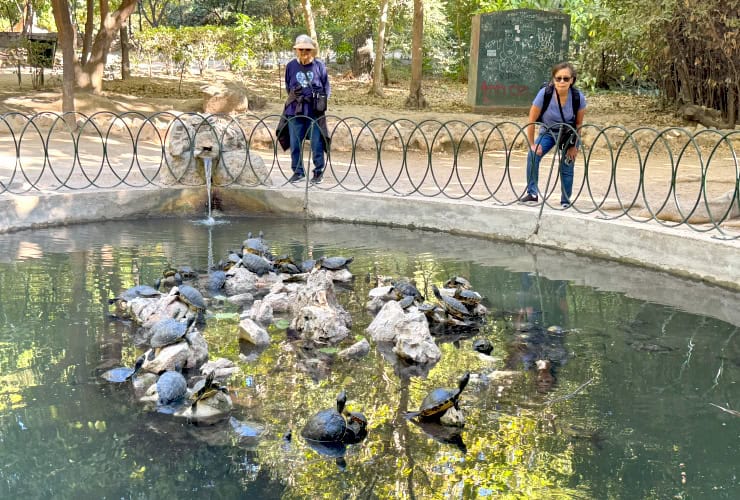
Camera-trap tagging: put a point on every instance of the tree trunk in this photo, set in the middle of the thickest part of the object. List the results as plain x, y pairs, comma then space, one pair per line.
416, 98
91, 74
125, 61
89, 28
66, 38
377, 88
310, 24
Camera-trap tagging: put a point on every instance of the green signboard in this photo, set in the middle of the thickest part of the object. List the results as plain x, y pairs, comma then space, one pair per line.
511, 54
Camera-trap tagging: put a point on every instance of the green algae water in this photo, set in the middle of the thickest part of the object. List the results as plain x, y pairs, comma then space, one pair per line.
642, 404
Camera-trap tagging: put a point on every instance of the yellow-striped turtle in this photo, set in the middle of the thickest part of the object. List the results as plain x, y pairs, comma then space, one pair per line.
437, 402
451, 305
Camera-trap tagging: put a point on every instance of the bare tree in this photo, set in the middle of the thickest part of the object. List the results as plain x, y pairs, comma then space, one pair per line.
416, 98
377, 88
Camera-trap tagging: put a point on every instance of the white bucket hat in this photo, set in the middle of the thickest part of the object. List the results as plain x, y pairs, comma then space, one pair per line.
304, 42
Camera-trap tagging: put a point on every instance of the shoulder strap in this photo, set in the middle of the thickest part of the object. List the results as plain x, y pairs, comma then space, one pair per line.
546, 101
575, 95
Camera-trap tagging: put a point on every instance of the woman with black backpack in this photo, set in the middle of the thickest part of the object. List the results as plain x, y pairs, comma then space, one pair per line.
560, 118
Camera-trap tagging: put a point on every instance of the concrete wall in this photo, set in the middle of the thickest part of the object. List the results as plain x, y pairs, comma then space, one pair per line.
681, 252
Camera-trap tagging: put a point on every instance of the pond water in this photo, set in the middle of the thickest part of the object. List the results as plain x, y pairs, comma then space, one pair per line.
646, 367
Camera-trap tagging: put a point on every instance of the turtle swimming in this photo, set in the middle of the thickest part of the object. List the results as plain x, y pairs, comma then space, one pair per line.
439, 400
331, 426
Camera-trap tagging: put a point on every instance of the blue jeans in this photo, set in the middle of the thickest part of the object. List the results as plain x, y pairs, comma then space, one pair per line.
302, 128
547, 141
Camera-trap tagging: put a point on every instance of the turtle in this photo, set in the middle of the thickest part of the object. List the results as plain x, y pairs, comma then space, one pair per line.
285, 264
406, 301
451, 305
439, 400
468, 297
256, 246
403, 288
256, 264
123, 374
333, 263
192, 298
556, 330
205, 388
170, 277
458, 281
171, 388
307, 265
136, 292
216, 280
356, 427
545, 378
169, 331
483, 346
233, 259
327, 426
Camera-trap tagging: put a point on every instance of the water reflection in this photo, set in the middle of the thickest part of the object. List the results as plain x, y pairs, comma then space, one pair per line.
657, 368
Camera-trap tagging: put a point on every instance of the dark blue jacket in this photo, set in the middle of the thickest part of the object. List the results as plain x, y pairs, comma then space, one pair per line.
308, 78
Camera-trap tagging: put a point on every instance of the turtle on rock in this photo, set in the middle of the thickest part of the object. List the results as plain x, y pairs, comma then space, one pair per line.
124, 374
439, 400
333, 263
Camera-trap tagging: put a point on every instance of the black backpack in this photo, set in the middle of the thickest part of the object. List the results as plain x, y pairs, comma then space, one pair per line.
575, 95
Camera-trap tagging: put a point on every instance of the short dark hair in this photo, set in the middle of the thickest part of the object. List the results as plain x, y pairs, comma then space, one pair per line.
564, 65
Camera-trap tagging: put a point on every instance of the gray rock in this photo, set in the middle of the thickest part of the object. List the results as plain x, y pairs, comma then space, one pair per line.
355, 351
253, 333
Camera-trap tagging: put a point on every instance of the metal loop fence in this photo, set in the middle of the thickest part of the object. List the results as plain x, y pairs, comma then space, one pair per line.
674, 177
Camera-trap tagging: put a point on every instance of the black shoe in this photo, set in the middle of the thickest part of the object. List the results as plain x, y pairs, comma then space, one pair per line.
528, 197
317, 177
296, 177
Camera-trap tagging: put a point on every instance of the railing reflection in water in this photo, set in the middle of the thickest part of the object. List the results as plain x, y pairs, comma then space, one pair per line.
675, 177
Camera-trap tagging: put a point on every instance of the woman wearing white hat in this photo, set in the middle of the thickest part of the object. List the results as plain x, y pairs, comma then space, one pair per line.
307, 84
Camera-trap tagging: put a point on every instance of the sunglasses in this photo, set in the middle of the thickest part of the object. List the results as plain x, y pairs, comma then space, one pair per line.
305, 50
562, 78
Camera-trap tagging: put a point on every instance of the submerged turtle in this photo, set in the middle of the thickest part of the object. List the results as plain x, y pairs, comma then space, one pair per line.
136, 292
192, 298
256, 246
334, 263
169, 331
451, 305
438, 401
123, 374
483, 346
171, 388
327, 426
256, 264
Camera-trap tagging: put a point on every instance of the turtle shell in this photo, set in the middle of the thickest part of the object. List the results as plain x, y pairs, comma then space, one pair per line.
171, 387
307, 265
406, 301
334, 263
451, 305
457, 281
256, 264
167, 331
405, 288
356, 427
468, 297
483, 346
123, 373
192, 297
327, 425
440, 400
136, 292
256, 246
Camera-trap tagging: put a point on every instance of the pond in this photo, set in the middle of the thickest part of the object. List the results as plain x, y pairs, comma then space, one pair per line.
641, 407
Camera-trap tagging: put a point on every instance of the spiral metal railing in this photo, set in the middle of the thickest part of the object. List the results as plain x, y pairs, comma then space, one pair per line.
674, 177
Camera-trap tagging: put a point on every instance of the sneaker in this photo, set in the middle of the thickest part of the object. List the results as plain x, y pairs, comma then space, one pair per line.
317, 177
565, 205
296, 177
528, 197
